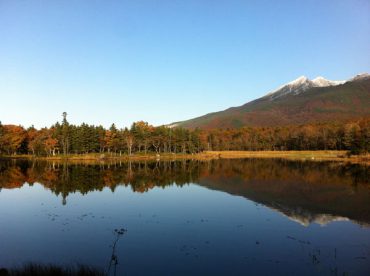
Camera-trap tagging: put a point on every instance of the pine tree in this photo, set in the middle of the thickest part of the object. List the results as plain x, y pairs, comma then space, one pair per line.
65, 134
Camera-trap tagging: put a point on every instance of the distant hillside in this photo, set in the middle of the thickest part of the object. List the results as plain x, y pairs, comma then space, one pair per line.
298, 102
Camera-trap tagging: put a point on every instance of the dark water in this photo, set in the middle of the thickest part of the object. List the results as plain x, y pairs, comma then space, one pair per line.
224, 217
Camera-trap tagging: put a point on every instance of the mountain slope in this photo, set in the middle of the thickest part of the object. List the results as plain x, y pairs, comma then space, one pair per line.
298, 102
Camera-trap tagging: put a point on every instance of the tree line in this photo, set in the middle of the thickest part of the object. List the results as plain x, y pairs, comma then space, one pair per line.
65, 138
353, 136
143, 138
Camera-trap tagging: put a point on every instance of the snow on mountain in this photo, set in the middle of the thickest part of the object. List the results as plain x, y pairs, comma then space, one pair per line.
300, 85
360, 76
322, 82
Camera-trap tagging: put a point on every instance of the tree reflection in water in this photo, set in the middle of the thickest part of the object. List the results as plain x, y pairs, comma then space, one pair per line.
303, 191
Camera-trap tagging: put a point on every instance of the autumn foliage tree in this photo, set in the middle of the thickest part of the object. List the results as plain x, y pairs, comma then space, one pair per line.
142, 138
12, 139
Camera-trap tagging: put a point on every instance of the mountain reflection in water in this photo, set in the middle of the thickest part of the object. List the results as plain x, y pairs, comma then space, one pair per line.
305, 192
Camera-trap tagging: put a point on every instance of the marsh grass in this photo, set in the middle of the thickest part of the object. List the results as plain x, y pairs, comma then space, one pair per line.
33, 269
319, 155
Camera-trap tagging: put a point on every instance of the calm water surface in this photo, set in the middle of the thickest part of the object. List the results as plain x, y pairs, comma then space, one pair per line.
223, 217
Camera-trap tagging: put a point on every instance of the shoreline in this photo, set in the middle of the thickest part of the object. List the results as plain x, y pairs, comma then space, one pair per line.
321, 155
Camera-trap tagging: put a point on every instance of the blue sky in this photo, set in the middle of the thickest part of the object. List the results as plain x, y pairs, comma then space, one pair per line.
165, 61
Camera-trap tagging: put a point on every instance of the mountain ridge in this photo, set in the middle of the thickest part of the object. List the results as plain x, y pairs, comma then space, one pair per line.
302, 84
297, 102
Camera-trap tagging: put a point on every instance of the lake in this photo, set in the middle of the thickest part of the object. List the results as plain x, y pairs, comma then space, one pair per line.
219, 217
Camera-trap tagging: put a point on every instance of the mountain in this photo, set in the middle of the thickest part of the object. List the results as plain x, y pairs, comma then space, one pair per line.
300, 85
297, 102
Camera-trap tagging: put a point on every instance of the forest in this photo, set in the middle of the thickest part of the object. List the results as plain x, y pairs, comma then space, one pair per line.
64, 138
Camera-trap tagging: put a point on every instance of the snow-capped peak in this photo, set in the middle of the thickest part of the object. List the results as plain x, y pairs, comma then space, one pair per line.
298, 81
287, 88
296, 86
302, 84
361, 76
322, 82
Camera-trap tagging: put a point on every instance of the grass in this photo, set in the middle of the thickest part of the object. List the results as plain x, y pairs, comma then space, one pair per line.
320, 155
105, 156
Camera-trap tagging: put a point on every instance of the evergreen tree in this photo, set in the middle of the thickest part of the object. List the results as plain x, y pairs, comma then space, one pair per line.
65, 134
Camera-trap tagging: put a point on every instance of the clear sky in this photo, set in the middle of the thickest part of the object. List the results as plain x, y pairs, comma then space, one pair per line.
165, 61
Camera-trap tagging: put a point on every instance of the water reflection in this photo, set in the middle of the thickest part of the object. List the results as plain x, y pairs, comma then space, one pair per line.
305, 192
